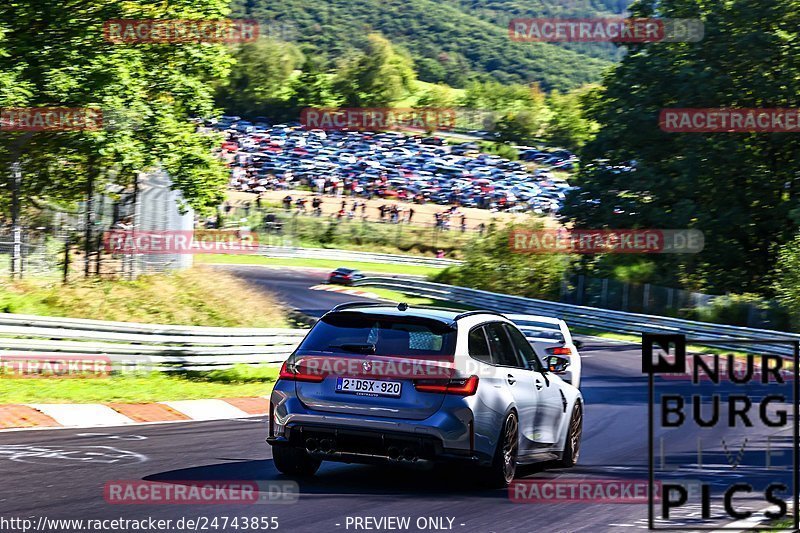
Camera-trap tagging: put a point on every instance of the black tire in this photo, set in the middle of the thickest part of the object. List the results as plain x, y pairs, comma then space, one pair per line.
572, 446
294, 461
504, 465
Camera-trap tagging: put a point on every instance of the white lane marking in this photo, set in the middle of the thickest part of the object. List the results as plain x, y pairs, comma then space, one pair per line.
77, 414
206, 409
85, 426
112, 437
23, 453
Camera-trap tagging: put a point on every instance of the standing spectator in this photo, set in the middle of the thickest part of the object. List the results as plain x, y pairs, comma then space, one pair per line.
410, 214
463, 223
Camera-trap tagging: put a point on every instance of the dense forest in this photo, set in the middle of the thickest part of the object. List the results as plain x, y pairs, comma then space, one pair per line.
450, 41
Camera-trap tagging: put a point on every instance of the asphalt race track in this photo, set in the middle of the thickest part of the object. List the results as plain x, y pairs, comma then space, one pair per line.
62, 473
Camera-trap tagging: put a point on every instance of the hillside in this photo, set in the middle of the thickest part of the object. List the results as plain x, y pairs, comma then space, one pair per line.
449, 40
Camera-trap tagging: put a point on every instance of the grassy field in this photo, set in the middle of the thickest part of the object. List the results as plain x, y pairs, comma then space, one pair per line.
198, 296
140, 388
317, 263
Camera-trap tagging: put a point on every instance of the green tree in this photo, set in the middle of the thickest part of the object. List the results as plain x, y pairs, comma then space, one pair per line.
495, 96
491, 265
739, 189
313, 87
436, 96
786, 279
375, 77
568, 126
262, 77
58, 56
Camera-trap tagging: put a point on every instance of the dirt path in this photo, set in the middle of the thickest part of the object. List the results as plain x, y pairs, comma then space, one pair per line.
423, 213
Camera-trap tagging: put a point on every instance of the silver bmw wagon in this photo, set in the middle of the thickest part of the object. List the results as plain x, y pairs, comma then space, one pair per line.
415, 386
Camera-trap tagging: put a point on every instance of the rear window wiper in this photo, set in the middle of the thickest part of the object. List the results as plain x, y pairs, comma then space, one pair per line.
354, 348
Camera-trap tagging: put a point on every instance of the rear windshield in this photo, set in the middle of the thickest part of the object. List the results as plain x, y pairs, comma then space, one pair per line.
538, 333
536, 325
344, 333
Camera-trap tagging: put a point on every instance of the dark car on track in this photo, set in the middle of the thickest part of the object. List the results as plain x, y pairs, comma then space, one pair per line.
344, 276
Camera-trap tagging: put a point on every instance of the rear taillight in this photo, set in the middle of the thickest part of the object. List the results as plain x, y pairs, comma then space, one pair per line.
561, 350
460, 386
291, 372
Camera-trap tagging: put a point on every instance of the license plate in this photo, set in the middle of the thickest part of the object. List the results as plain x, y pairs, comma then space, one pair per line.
369, 387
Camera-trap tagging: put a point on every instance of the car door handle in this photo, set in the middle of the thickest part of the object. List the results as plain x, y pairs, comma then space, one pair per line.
511, 379
538, 385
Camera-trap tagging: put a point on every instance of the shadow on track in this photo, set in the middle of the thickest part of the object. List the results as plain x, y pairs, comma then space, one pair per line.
339, 478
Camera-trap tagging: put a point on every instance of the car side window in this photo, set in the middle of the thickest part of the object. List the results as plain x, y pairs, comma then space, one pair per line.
503, 352
523, 348
477, 345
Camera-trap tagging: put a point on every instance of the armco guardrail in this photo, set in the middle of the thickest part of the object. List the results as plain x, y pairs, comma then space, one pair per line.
144, 346
351, 255
715, 335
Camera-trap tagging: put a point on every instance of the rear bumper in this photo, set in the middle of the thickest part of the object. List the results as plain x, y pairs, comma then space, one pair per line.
450, 433
358, 445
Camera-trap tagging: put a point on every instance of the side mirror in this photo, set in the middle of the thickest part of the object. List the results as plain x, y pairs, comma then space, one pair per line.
556, 364
577, 344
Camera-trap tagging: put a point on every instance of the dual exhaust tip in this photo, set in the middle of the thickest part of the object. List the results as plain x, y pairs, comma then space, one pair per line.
321, 445
328, 446
407, 454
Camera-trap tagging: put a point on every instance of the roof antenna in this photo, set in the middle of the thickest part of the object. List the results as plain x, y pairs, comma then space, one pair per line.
402, 306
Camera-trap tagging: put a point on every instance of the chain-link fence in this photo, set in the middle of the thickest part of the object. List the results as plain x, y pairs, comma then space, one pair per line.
39, 252
54, 243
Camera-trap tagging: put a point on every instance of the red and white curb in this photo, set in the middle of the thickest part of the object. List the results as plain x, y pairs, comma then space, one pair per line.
17, 417
345, 290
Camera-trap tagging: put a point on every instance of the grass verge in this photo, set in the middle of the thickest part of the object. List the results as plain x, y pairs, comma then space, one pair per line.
240, 381
198, 296
317, 263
